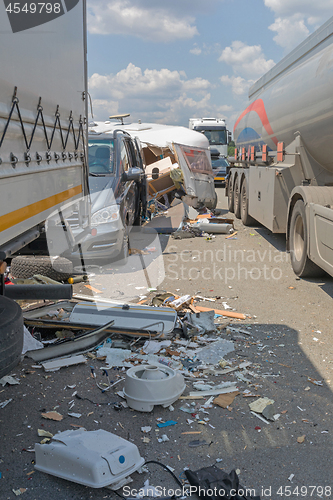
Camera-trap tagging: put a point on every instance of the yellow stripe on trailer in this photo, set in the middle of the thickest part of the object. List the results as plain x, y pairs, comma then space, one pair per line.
24, 213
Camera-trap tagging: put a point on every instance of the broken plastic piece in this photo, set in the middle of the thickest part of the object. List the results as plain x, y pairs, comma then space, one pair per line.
93, 458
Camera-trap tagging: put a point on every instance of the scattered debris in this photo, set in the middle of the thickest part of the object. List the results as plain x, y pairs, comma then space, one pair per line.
20, 491
52, 415
56, 364
225, 400
301, 439
5, 403
168, 423
8, 379
315, 382
42, 433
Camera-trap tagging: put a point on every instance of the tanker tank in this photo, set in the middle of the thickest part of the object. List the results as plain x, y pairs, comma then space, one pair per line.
295, 96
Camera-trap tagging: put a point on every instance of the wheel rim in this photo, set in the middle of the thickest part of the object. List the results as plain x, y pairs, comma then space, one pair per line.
299, 238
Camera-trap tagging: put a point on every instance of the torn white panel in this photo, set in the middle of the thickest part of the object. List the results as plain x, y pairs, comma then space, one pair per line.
52, 366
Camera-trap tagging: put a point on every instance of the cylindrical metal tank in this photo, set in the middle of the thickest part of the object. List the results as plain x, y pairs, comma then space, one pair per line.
295, 96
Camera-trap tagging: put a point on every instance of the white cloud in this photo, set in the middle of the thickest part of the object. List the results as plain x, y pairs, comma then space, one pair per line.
296, 18
246, 60
151, 95
155, 22
196, 51
239, 85
290, 31
308, 8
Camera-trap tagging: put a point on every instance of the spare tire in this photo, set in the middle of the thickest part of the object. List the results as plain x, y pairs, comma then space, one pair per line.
25, 266
11, 335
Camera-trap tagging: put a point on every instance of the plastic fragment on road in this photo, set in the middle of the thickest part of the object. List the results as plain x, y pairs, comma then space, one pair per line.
315, 382
75, 415
56, 364
146, 429
19, 491
8, 379
223, 388
154, 346
149, 491
168, 423
213, 353
260, 417
29, 342
53, 415
181, 302
260, 404
203, 320
96, 459
301, 439
163, 439
42, 433
5, 403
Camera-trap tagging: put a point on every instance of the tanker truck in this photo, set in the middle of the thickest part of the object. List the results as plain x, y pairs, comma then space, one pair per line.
43, 138
282, 173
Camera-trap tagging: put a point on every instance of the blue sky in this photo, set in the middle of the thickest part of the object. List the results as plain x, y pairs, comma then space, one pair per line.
166, 61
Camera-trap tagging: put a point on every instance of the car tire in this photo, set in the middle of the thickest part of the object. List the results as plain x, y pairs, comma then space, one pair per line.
25, 266
300, 262
11, 335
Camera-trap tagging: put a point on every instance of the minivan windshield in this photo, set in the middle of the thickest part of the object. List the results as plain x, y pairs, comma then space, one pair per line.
101, 156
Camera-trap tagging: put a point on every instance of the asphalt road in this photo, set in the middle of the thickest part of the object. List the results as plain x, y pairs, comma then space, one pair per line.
288, 342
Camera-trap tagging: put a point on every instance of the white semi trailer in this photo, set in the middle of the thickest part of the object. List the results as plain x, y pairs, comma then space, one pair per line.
43, 132
282, 172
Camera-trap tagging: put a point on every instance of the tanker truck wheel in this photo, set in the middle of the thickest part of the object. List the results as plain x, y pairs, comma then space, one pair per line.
11, 335
300, 262
237, 202
244, 206
25, 266
230, 195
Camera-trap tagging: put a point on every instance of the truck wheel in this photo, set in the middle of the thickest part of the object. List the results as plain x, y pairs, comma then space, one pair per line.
244, 206
237, 203
11, 335
230, 195
25, 266
300, 262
